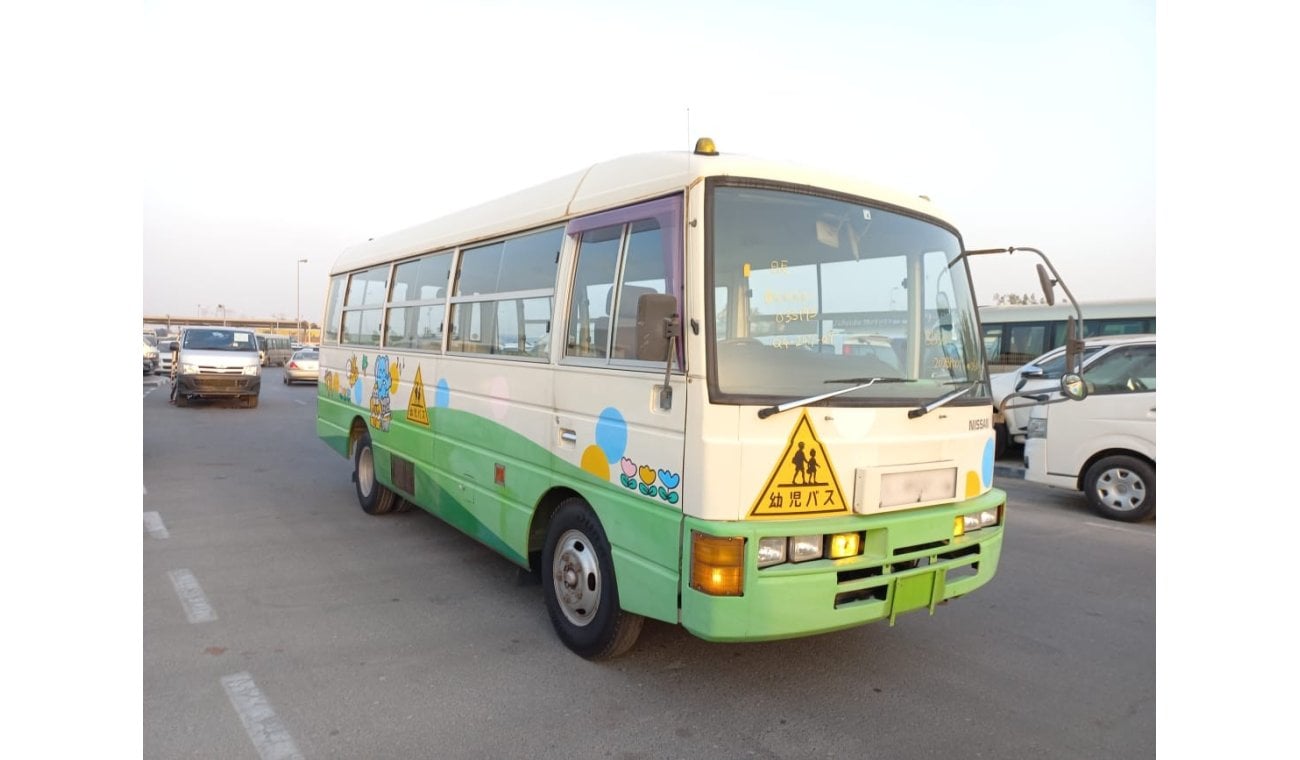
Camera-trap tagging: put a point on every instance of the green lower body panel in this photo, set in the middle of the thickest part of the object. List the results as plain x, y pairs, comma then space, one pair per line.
452, 463
911, 561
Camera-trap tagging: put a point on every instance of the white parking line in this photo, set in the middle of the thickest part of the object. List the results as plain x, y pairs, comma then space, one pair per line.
1119, 528
153, 525
269, 736
197, 609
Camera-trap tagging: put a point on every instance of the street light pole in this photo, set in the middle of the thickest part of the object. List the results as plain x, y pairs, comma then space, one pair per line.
222, 307
297, 325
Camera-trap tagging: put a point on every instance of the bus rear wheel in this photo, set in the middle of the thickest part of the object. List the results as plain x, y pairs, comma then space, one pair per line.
581, 592
374, 497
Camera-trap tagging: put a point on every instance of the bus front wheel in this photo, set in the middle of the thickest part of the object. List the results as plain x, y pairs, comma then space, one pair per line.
581, 593
375, 498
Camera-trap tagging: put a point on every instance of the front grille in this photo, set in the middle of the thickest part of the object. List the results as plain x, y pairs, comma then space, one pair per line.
232, 383
871, 584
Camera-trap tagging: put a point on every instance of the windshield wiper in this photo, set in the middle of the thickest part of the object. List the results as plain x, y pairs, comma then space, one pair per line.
921, 411
862, 382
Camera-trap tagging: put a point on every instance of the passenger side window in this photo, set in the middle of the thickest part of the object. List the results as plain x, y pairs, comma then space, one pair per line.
363, 308
417, 306
503, 296
1130, 369
634, 253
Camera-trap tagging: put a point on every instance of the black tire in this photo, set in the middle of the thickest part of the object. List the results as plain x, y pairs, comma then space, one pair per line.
1000, 439
374, 497
1121, 487
580, 589
285, 378
250, 402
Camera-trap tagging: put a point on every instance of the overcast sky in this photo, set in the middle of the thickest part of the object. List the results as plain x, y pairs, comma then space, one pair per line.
276, 131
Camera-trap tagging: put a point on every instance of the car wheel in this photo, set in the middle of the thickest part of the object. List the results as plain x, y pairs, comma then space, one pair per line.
285, 378
581, 593
374, 497
250, 402
1121, 487
1000, 437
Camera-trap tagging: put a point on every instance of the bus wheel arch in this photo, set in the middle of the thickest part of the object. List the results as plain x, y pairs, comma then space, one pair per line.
579, 585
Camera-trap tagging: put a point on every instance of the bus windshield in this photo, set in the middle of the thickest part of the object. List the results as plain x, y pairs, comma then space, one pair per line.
813, 294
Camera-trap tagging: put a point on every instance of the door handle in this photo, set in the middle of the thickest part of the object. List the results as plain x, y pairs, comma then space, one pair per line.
568, 436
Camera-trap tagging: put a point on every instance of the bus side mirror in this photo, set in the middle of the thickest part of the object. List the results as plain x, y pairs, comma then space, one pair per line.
1073, 387
654, 314
1048, 285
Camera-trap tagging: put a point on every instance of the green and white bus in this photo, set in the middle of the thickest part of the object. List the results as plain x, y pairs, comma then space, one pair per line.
628, 380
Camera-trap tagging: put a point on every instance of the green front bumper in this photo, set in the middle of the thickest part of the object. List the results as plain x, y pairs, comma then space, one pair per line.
910, 561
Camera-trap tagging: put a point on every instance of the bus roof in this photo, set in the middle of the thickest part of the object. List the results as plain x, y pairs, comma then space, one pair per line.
609, 184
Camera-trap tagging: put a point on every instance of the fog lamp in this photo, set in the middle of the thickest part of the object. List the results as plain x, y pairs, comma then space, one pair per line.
845, 545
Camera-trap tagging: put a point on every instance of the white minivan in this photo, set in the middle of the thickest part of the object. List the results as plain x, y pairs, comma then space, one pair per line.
217, 362
1040, 376
1105, 444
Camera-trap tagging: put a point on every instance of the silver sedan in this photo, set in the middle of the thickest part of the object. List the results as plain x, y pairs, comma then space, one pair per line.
303, 366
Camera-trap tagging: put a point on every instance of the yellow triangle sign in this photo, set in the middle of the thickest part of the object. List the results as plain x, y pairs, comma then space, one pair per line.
417, 410
803, 482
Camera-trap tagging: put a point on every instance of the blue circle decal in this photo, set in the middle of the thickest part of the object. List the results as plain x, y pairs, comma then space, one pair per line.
611, 434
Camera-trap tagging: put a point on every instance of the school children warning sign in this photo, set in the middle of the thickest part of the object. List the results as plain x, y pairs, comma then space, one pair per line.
803, 481
417, 410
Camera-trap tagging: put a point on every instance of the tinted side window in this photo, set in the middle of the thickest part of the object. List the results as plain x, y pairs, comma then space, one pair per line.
363, 307
502, 299
418, 304
1130, 369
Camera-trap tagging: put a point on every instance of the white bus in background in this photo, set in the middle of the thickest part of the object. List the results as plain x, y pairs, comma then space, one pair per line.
1014, 335
275, 350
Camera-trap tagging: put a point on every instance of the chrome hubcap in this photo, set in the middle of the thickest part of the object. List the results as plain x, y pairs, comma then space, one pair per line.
576, 571
1121, 489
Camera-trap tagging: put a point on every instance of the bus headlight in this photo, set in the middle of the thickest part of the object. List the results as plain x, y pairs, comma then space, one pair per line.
771, 551
804, 548
984, 518
717, 564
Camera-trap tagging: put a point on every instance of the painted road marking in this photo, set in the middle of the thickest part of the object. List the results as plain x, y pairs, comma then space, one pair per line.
153, 525
197, 609
1120, 528
267, 732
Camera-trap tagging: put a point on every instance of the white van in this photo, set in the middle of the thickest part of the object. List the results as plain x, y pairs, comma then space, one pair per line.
217, 362
1104, 445
1040, 376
